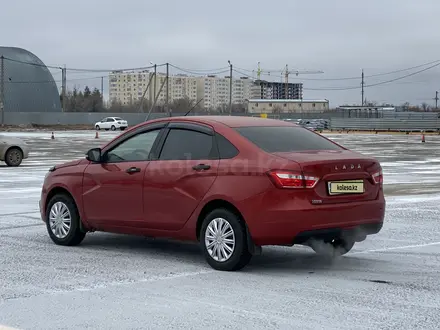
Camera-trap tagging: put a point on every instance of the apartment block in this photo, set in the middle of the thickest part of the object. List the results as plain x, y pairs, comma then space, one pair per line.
215, 91
179, 87
127, 88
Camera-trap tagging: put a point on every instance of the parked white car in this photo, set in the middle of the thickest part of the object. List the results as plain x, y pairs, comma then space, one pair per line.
13, 150
112, 123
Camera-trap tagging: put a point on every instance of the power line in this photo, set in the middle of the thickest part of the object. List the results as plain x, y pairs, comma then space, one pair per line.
355, 78
202, 72
52, 81
83, 70
249, 76
376, 84
365, 85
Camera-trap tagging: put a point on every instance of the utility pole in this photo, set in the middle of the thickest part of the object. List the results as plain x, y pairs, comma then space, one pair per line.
155, 84
230, 88
102, 90
436, 100
141, 107
286, 81
167, 90
362, 85
2, 88
63, 88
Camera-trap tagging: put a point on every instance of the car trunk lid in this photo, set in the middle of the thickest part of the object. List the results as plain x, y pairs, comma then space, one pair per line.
344, 175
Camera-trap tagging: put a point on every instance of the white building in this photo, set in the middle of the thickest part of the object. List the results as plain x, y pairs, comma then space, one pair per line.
215, 91
286, 106
127, 87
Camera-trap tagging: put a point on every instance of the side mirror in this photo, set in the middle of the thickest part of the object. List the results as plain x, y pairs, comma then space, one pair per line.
94, 155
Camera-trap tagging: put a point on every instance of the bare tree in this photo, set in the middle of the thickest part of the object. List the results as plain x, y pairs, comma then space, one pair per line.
425, 106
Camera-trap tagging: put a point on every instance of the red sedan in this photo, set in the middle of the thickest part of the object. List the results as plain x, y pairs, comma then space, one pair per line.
231, 183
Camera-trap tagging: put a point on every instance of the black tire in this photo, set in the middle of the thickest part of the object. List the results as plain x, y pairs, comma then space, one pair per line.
122, 128
14, 157
113, 128
74, 236
334, 249
240, 256
97, 127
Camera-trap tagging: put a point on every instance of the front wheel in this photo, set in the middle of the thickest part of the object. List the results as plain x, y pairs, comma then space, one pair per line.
333, 249
224, 241
63, 221
13, 157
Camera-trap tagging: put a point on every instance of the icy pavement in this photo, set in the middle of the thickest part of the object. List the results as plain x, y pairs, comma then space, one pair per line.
389, 281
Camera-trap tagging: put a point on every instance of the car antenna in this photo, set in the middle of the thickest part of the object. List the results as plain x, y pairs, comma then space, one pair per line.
193, 107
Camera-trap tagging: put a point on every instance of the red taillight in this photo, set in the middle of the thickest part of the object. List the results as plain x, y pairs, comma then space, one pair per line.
290, 179
378, 177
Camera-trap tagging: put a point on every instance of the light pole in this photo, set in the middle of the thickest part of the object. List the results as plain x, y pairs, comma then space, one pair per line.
230, 88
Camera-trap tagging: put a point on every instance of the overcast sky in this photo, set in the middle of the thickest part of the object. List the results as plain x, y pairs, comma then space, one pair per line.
339, 37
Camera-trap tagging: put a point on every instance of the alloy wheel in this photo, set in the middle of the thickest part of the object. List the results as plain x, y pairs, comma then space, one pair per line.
60, 220
220, 240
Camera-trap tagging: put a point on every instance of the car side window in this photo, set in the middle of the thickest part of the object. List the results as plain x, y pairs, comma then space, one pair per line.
225, 148
110, 119
183, 144
135, 148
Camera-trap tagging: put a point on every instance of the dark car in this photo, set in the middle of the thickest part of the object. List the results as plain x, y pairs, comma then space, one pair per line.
233, 184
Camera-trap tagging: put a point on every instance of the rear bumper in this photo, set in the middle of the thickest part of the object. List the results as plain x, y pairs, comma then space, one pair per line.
281, 226
358, 233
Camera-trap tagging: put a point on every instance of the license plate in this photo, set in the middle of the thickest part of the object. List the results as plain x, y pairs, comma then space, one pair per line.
346, 187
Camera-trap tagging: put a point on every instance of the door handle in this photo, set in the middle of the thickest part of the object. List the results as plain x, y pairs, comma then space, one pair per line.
201, 167
133, 170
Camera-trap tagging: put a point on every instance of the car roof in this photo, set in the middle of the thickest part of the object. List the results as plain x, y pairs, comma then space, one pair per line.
231, 121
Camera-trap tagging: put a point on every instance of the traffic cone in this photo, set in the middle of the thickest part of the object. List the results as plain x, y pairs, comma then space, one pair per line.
52, 137
96, 135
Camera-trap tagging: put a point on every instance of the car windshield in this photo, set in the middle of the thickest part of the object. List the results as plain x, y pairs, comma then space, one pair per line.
286, 139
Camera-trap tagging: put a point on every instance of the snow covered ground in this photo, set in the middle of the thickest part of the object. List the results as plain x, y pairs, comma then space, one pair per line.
389, 281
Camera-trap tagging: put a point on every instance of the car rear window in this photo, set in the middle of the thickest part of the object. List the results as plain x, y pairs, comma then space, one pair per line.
117, 118
286, 139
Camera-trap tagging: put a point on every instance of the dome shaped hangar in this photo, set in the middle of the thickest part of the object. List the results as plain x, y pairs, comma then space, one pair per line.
28, 84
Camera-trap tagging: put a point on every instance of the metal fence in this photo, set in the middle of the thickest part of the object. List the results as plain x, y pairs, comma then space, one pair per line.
408, 122
89, 118
385, 124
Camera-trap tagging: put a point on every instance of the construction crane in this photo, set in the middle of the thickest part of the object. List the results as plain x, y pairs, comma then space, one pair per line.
296, 72
286, 72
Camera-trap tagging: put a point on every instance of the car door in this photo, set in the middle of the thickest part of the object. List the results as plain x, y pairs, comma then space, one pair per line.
178, 179
113, 188
109, 123
103, 123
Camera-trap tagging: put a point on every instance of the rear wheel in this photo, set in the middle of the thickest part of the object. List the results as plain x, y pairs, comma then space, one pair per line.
63, 221
13, 157
334, 248
224, 241
113, 128
97, 127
